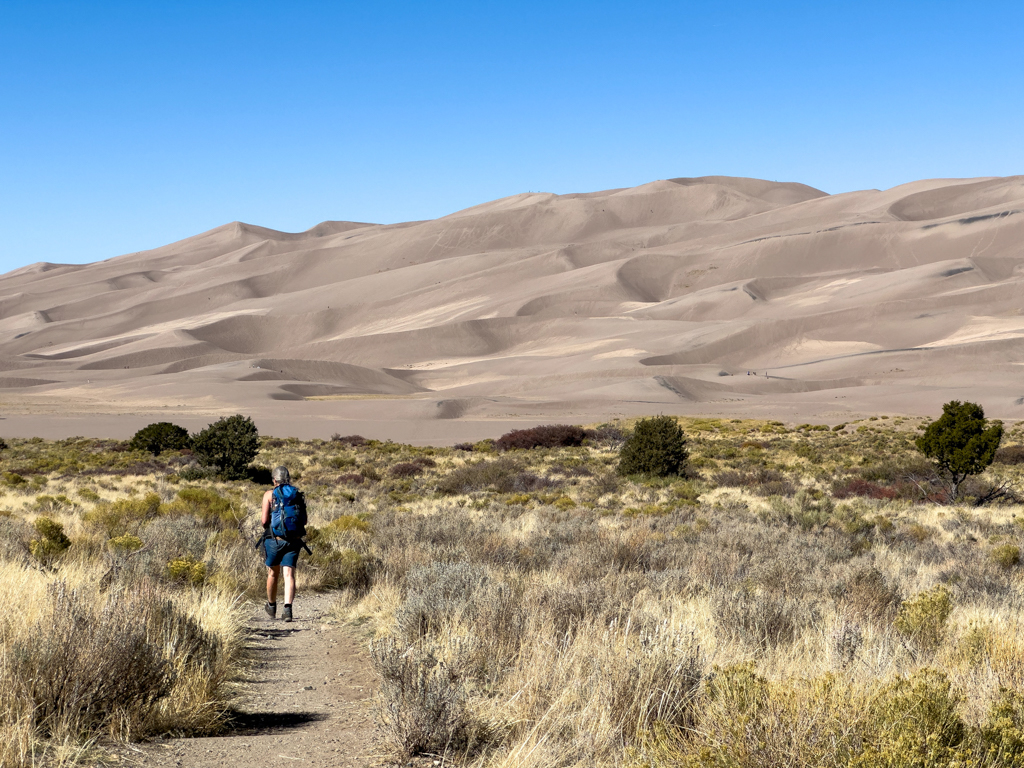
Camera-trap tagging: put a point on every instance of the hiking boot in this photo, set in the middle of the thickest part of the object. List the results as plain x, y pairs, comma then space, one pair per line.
271, 609
286, 614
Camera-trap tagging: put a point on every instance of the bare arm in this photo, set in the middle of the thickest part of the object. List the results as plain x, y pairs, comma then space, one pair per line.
265, 517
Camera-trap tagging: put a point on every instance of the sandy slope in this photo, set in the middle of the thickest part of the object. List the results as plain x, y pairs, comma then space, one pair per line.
539, 307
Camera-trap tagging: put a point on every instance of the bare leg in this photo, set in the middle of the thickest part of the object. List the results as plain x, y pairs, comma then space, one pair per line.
289, 585
273, 571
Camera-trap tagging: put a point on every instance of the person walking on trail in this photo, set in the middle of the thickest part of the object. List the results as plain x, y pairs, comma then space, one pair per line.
284, 525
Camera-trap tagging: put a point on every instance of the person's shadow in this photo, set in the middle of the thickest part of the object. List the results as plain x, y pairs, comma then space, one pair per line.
252, 723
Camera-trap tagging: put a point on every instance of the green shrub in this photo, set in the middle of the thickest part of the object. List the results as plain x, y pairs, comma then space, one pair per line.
159, 437
913, 723
203, 504
960, 442
342, 569
122, 516
370, 473
53, 541
12, 479
656, 447
44, 503
1007, 555
1003, 731
88, 494
229, 444
923, 617
809, 452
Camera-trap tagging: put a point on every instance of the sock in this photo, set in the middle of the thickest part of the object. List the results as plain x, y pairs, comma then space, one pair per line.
287, 605
273, 604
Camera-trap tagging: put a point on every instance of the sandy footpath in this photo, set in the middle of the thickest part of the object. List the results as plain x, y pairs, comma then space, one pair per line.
305, 701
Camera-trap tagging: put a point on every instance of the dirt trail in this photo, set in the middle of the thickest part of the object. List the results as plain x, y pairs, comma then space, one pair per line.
305, 702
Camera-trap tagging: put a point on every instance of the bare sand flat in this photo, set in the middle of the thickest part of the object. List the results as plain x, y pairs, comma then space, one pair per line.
715, 295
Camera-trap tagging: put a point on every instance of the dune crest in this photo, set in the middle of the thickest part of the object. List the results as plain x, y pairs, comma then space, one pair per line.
711, 294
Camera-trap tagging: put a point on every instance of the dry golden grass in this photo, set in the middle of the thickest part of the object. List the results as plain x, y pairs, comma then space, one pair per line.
606, 651
684, 623
77, 658
775, 607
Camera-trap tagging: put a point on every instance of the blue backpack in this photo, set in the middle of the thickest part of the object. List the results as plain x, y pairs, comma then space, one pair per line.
288, 513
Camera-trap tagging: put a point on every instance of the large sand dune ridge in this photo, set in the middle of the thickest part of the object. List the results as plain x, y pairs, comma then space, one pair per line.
661, 298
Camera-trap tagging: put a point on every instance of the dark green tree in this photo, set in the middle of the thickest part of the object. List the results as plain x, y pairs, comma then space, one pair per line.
961, 443
657, 447
161, 436
229, 444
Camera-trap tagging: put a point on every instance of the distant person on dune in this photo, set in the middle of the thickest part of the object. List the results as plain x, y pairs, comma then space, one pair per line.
284, 525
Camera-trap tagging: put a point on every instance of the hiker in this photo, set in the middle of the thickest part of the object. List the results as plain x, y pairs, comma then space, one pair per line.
284, 525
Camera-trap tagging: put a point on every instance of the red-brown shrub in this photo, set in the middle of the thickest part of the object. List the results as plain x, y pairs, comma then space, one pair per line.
353, 441
546, 436
1011, 454
858, 486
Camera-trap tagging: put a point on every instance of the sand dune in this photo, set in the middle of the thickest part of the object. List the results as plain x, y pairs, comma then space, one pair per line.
665, 297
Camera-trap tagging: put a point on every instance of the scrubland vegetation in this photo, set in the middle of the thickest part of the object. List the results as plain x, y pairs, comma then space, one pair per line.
797, 596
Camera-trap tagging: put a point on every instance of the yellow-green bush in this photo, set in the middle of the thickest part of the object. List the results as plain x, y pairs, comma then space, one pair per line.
1006, 555
228, 537
1003, 731
343, 568
204, 504
45, 503
744, 720
345, 524
115, 518
53, 542
125, 543
651, 510
187, 570
913, 723
12, 479
923, 617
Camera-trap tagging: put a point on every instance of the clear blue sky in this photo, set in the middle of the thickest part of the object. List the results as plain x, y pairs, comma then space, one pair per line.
128, 125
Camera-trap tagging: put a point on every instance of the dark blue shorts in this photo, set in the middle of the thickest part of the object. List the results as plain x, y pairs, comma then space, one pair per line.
282, 552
